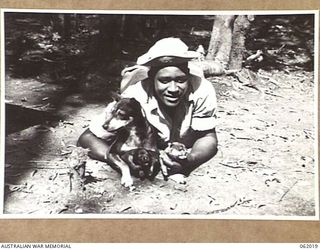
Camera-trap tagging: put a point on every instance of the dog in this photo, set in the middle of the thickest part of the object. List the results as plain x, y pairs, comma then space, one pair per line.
134, 151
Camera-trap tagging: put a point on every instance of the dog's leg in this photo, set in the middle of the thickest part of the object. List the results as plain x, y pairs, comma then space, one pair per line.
126, 179
156, 167
128, 158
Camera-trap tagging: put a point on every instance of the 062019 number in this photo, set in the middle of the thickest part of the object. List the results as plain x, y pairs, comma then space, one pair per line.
309, 245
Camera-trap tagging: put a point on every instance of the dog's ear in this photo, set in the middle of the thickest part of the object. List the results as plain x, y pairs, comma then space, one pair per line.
135, 102
137, 107
115, 96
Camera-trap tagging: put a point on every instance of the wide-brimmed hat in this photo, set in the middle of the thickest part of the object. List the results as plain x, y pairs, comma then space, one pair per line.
167, 51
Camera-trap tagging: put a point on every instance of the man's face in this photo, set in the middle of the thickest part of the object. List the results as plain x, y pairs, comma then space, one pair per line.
171, 85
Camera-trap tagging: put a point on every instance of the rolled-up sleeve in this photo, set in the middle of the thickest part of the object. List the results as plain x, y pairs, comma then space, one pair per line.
205, 108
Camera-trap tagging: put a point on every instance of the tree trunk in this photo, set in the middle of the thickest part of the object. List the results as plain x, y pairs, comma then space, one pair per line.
62, 25
241, 27
227, 44
108, 41
221, 39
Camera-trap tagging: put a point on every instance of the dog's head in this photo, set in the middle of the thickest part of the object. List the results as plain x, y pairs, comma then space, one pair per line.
146, 164
123, 114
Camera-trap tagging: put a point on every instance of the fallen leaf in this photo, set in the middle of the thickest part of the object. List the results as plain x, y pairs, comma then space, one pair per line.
34, 172
125, 209
173, 207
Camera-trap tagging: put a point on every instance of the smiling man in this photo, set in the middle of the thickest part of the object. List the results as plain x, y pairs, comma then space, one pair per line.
177, 100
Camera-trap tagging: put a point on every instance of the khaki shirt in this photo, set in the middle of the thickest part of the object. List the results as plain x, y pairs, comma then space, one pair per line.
196, 113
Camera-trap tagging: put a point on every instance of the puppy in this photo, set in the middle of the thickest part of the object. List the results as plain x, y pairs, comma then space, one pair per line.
134, 150
176, 150
143, 163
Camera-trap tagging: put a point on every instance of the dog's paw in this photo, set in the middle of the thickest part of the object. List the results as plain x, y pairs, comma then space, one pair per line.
178, 178
126, 181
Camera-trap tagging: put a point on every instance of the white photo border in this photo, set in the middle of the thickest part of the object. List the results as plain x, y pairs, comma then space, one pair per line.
145, 216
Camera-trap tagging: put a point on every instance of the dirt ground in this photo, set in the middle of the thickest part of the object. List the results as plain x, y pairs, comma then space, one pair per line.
265, 165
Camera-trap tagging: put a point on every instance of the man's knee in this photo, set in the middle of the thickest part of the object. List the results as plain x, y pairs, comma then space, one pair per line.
85, 139
97, 155
98, 147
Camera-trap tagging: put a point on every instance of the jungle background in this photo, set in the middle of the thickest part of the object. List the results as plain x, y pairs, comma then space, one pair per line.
60, 69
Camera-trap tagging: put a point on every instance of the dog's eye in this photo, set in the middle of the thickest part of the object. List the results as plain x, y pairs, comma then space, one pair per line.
125, 117
122, 115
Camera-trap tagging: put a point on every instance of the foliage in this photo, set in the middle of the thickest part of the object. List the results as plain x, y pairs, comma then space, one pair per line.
285, 40
68, 47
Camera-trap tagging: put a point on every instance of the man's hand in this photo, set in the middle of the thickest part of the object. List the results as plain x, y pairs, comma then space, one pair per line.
174, 166
203, 149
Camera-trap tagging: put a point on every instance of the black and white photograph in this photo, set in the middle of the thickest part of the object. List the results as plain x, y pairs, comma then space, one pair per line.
159, 114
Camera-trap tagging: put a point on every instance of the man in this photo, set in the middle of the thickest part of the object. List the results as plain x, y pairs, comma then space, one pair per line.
177, 100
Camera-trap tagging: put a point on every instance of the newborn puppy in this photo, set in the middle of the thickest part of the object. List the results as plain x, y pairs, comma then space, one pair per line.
176, 151
143, 163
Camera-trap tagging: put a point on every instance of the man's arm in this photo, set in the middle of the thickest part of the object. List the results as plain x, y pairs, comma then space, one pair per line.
204, 148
